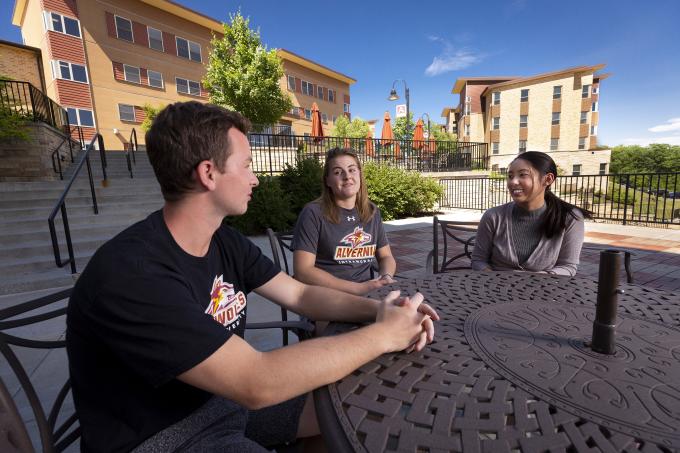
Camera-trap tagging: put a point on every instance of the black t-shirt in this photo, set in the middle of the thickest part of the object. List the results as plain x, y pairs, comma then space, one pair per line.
145, 311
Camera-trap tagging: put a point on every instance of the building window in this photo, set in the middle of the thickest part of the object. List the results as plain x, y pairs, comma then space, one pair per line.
593, 130
494, 168
603, 168
291, 83
555, 118
188, 49
467, 130
523, 120
308, 114
581, 143
324, 117
69, 71
522, 146
554, 144
468, 98
335, 118
584, 117
503, 170
126, 112
188, 87
80, 117
594, 108
494, 147
132, 74
155, 79
319, 92
124, 29
585, 92
345, 108
62, 24
155, 39
557, 92
596, 90
307, 88
466, 111
496, 123
496, 97
576, 170
331, 96
524, 96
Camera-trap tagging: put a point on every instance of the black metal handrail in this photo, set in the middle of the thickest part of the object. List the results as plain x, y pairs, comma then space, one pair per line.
56, 158
61, 204
30, 103
131, 146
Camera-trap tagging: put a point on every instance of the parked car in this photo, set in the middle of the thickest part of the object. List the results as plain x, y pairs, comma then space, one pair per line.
674, 195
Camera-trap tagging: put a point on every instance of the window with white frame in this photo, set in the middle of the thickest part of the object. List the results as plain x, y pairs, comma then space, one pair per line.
557, 92
319, 92
307, 88
126, 112
291, 83
80, 117
331, 96
596, 90
466, 110
555, 118
496, 122
594, 108
496, 97
593, 129
155, 78
522, 146
581, 143
155, 38
345, 107
468, 98
69, 71
524, 95
186, 86
576, 169
523, 120
324, 117
132, 74
603, 168
124, 29
188, 49
585, 91
467, 129
308, 114
61, 24
554, 144
584, 117
494, 147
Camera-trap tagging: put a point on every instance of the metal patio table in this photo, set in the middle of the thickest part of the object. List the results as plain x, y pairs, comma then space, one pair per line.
510, 371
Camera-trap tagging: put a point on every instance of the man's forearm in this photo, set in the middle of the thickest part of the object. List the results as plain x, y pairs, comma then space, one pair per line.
327, 304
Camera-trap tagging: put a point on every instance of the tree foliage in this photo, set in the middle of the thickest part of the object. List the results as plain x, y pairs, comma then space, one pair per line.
357, 128
151, 113
243, 75
655, 158
399, 127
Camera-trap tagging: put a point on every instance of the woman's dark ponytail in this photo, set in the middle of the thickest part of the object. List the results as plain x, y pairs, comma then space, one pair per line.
556, 209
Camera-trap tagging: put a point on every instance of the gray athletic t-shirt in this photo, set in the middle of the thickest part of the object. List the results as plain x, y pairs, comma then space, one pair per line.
345, 250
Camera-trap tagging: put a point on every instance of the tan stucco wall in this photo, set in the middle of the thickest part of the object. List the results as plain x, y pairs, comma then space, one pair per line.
20, 64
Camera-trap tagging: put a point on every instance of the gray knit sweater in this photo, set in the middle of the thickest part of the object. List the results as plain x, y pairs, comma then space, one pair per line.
494, 247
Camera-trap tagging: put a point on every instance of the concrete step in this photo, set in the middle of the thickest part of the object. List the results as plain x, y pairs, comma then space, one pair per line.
86, 206
27, 266
52, 279
114, 188
104, 198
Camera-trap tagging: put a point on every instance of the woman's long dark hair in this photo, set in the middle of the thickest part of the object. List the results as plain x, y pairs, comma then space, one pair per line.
555, 215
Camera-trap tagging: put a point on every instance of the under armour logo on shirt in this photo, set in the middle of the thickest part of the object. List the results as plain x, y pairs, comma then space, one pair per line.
351, 218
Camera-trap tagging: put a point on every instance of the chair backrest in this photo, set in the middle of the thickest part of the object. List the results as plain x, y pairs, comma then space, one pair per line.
280, 243
35, 317
456, 237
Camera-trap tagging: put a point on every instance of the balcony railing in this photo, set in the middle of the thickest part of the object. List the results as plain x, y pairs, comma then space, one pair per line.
25, 100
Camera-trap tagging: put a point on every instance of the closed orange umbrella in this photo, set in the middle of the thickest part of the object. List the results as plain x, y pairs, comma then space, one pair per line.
386, 134
418, 135
317, 128
370, 149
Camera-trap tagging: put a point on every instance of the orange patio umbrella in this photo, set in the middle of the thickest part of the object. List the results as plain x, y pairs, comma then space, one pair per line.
370, 149
386, 134
418, 135
317, 128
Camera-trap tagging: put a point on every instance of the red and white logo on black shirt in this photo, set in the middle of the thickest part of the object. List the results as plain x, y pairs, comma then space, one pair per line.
357, 248
226, 307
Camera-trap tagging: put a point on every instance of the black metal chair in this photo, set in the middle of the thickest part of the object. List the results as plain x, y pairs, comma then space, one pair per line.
452, 232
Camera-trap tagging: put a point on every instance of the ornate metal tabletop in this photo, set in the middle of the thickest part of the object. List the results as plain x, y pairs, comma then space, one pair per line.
509, 371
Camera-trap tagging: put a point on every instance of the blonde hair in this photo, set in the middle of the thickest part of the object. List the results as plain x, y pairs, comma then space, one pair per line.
329, 209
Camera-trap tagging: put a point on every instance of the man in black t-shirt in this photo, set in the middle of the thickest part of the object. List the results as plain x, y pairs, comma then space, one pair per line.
155, 323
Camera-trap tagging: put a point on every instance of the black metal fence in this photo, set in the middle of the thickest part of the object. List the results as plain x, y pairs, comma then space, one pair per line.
25, 100
646, 198
271, 152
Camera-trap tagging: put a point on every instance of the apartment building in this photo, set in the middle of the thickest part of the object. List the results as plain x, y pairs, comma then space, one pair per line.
449, 115
103, 61
555, 112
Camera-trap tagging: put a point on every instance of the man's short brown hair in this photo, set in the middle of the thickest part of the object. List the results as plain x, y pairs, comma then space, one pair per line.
185, 134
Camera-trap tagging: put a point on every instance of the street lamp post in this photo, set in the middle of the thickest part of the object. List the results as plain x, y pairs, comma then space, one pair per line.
393, 97
429, 137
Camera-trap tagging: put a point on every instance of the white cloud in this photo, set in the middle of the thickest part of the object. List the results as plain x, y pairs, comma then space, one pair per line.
674, 125
645, 141
451, 58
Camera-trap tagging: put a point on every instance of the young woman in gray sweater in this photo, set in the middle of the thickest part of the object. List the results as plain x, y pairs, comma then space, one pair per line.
537, 231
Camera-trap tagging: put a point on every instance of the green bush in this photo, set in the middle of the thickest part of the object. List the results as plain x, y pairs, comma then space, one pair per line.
302, 183
269, 207
12, 125
400, 193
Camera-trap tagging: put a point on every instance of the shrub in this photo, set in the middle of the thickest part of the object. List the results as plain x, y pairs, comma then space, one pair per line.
400, 193
12, 125
269, 207
302, 183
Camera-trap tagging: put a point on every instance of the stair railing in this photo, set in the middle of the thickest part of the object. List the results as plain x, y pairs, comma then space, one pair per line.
61, 204
131, 145
56, 158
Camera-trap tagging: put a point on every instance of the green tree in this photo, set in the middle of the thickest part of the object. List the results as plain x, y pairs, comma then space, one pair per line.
399, 127
244, 76
655, 158
151, 113
12, 124
357, 128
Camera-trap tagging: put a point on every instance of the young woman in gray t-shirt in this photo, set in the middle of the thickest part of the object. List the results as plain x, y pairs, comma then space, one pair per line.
338, 237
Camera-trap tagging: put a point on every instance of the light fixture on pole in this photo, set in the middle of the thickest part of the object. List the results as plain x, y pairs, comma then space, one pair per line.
429, 137
393, 97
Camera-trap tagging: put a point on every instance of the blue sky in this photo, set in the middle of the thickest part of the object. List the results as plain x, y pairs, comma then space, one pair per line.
430, 44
